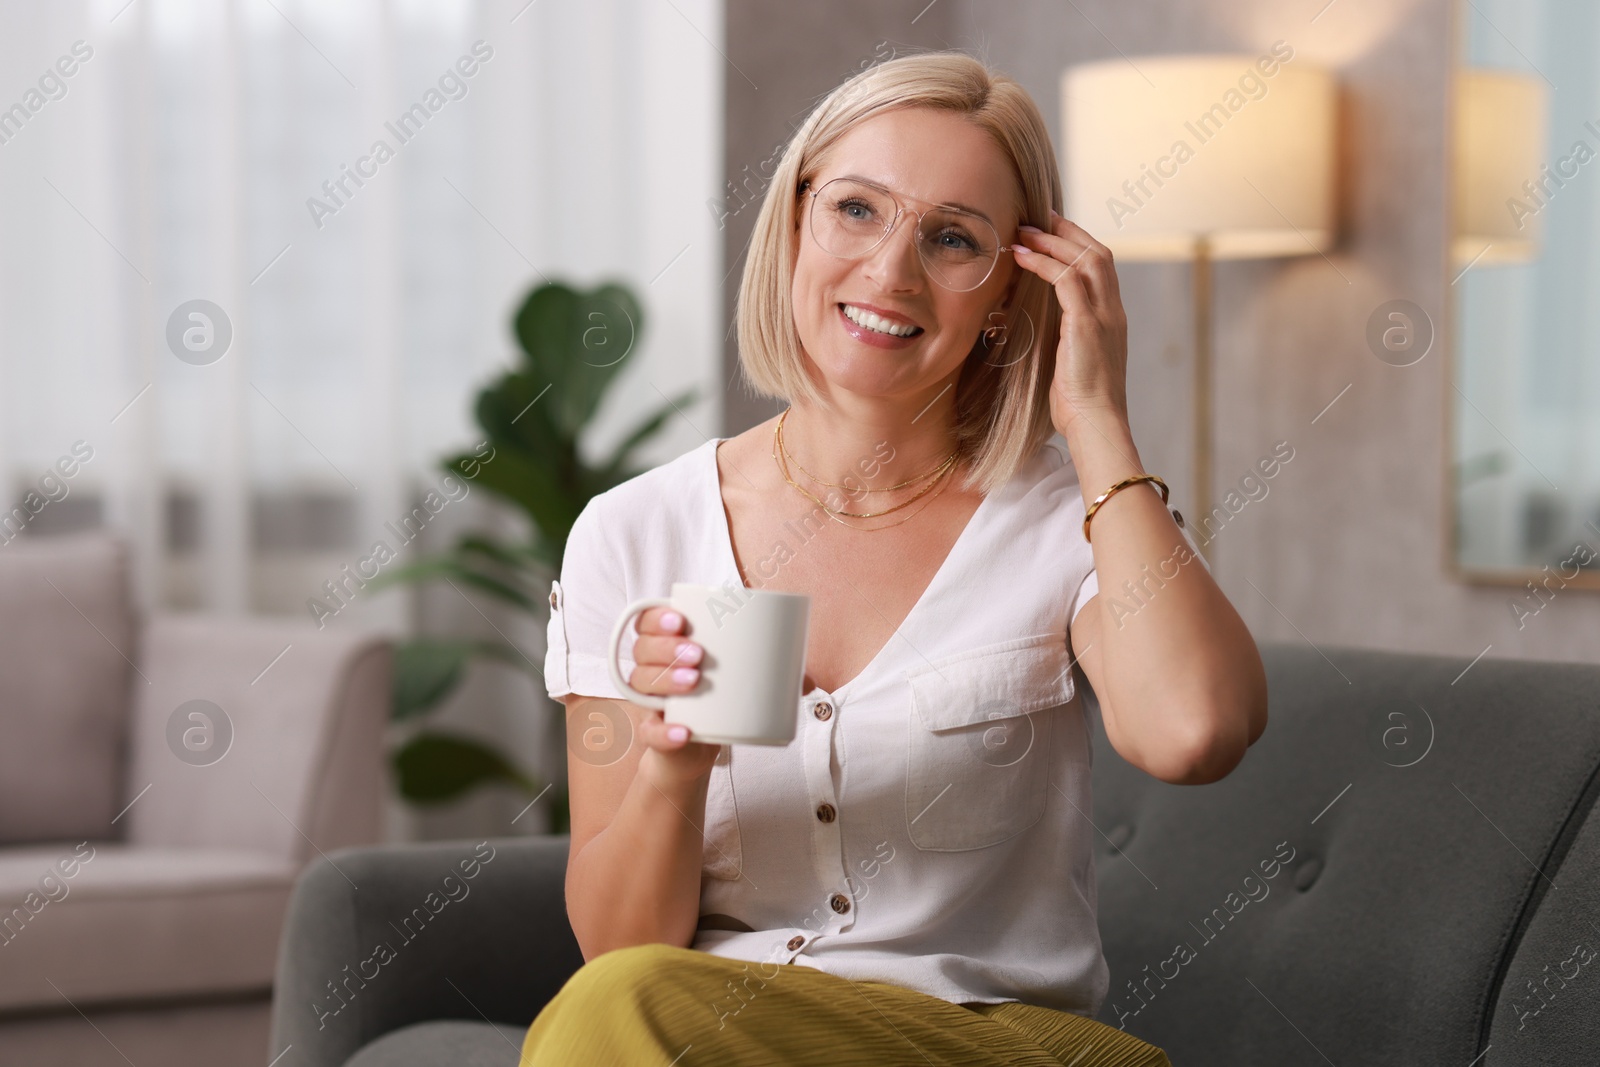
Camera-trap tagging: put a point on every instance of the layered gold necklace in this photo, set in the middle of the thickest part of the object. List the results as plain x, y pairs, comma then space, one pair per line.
936, 478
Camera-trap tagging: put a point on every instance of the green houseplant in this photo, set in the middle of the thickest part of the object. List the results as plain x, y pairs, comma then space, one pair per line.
574, 343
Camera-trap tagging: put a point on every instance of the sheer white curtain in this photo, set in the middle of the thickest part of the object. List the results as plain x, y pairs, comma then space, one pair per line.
365, 189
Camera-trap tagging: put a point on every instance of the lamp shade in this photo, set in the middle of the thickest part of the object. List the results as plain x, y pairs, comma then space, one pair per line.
1500, 139
1163, 151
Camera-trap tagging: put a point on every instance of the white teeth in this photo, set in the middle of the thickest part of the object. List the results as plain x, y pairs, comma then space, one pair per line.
877, 323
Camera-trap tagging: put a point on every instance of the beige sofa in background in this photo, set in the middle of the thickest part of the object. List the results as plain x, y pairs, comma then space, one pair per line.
143, 880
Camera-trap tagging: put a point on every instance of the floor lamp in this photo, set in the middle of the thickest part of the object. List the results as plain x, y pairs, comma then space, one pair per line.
1201, 158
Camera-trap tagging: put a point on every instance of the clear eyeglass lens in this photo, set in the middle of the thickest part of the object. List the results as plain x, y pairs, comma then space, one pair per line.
958, 249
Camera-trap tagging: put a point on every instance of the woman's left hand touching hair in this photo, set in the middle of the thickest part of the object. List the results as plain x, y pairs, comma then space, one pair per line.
1178, 677
1091, 373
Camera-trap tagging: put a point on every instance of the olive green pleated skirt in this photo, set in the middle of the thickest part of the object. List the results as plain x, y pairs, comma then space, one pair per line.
655, 1005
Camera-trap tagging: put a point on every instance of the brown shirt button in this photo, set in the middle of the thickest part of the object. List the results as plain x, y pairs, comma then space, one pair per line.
1177, 516
839, 903
552, 599
795, 942
822, 710
826, 813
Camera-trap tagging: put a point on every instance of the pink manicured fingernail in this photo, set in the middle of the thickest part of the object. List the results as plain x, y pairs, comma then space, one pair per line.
1024, 249
677, 733
1030, 229
684, 674
688, 652
672, 620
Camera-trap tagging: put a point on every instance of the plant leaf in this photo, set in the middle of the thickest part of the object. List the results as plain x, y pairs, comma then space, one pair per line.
577, 342
517, 412
448, 568
436, 767
516, 557
533, 483
425, 672
614, 470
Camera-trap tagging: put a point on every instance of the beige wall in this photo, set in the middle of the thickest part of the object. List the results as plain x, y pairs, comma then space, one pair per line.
1348, 546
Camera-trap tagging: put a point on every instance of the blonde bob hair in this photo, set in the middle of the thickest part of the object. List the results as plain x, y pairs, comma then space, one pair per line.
1002, 393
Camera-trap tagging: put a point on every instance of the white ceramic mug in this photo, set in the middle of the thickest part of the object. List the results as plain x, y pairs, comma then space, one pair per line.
754, 643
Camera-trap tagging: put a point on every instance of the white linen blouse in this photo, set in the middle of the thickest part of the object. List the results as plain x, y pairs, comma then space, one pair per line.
928, 826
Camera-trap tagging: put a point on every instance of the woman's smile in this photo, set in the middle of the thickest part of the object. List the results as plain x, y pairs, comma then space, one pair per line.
879, 330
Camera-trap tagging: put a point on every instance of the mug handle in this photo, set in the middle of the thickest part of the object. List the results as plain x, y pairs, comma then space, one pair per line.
613, 650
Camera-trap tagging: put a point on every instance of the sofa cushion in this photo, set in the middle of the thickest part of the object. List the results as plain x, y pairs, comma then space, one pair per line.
294, 719
1354, 890
99, 923
1549, 1006
460, 1044
66, 642
200, 1033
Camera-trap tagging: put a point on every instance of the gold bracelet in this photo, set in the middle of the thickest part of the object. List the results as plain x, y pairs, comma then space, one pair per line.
1103, 497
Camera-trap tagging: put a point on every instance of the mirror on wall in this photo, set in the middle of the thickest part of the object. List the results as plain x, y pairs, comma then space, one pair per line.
1524, 294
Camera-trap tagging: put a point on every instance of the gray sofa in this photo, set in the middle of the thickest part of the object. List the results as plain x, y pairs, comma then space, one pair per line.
146, 855
1405, 870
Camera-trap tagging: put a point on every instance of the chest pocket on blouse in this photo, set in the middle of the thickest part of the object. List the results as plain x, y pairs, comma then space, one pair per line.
982, 739
723, 855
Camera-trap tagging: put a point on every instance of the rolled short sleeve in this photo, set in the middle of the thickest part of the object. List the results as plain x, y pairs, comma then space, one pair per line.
1091, 581
1086, 591
585, 603
1183, 528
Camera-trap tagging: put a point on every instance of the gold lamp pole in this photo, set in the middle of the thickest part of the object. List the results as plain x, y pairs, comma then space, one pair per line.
1202, 377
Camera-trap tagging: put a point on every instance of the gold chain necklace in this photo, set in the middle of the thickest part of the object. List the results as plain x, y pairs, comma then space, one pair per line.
835, 513
778, 446
789, 457
866, 529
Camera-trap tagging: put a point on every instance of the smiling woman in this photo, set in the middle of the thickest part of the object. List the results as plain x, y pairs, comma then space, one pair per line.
910, 220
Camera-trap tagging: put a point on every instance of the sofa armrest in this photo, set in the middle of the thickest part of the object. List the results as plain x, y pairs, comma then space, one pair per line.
301, 714
380, 938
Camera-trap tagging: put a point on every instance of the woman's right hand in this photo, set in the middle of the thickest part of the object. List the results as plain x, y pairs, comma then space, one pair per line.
667, 662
